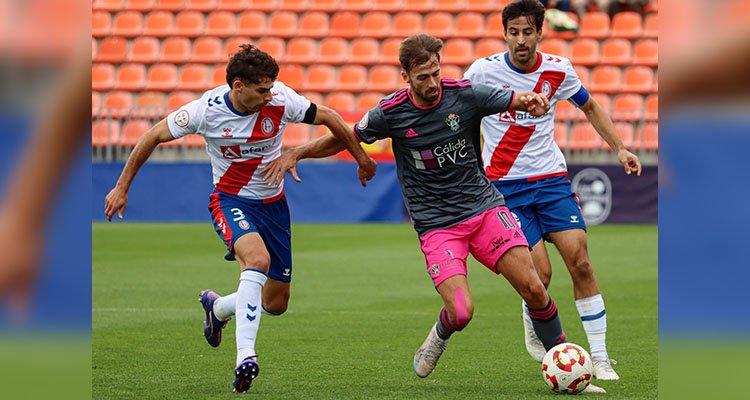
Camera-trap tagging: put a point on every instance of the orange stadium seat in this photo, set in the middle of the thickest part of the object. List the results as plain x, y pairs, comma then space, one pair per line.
128, 24
96, 103
252, 24
406, 24
484, 6
144, 50
390, 6
488, 46
365, 51
141, 5
420, 6
342, 102
132, 131
647, 136
376, 24
219, 75
494, 25
652, 107
190, 24
109, 5
151, 101
439, 24
179, 99
604, 101
273, 46
357, 5
296, 6
94, 48
283, 24
583, 75
345, 24
159, 24
201, 5
232, 45
352, 78
594, 25
162, 77
327, 6
585, 51
452, 6
103, 133
617, 51
560, 135
101, 23
367, 101
112, 50
638, 80
628, 107
558, 47
383, 78
292, 75
565, 111
242, 5
606, 79
302, 51
389, 51
130, 77
194, 77
176, 50
117, 104
583, 136
170, 5
221, 23
651, 26
458, 52
313, 24
295, 135
469, 25
627, 24
102, 77
334, 51
207, 50
450, 71
314, 97
646, 52
626, 132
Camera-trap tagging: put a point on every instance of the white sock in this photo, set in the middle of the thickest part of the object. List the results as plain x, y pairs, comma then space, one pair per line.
248, 310
594, 318
224, 307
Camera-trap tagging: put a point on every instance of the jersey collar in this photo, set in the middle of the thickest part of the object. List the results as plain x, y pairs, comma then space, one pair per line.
231, 107
524, 71
440, 97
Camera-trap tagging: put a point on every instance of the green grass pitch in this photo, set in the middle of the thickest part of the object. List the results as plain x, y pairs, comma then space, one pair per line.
361, 304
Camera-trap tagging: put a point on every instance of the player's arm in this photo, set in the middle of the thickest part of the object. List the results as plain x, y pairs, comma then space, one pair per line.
606, 129
117, 198
535, 104
342, 132
326, 146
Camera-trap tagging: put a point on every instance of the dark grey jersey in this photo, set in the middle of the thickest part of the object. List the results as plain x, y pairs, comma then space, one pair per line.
437, 150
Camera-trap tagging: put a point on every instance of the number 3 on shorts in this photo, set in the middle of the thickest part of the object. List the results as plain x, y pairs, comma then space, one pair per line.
238, 215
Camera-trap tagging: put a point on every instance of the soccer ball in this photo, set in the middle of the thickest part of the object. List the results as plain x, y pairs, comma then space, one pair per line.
567, 368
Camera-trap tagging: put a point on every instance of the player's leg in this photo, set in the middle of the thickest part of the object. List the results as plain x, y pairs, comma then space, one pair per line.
543, 267
276, 297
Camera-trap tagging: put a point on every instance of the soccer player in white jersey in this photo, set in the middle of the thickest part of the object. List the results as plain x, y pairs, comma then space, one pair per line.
242, 124
528, 168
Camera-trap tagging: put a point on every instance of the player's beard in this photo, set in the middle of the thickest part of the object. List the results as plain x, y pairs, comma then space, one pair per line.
431, 97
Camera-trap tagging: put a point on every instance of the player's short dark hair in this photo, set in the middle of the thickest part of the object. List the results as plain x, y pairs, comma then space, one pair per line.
524, 8
418, 49
251, 65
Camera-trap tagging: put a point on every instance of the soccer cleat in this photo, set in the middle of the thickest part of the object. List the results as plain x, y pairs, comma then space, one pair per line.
212, 326
244, 374
591, 388
428, 354
533, 345
603, 369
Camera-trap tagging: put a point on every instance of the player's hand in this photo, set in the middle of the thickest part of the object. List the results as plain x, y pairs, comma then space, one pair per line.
630, 162
115, 202
273, 173
536, 104
366, 170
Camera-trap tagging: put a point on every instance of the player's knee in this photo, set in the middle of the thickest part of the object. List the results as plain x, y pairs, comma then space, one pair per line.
545, 277
255, 260
535, 294
462, 316
580, 269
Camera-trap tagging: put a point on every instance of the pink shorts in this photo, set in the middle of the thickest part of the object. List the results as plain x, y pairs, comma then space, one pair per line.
487, 236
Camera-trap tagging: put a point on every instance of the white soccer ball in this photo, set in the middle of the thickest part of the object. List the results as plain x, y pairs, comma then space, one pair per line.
567, 368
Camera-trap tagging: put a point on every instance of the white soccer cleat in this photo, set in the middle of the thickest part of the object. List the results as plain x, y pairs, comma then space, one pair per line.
603, 369
533, 345
429, 353
591, 388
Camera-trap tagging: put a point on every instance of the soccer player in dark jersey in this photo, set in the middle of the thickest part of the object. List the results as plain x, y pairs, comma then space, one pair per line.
434, 127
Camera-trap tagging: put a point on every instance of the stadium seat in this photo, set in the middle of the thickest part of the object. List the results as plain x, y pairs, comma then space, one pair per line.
469, 25
352, 78
647, 136
201, 5
447, 71
484, 6
365, 51
112, 50
451, 6
302, 51
282, 24
109, 5
376, 24
626, 132
406, 24
594, 25
219, 75
102, 77
327, 6
159, 24
646, 52
151, 101
368, 100
176, 50
389, 6
170, 5
221, 23
585, 51
130, 77
560, 135
557, 47
296, 6
489, 46
242, 5
96, 103
638, 80
94, 48
345, 24
494, 25
313, 24
565, 111
295, 135
162, 77
583, 75
101, 23
606, 79
628, 107
207, 50
117, 104
334, 51
342, 102
420, 6
132, 131
652, 107
617, 51
439, 24
141, 5
292, 75
383, 78
252, 24
651, 26
190, 24
458, 52
389, 51
274, 47
604, 102
583, 137
179, 99
194, 77
360, 6
104, 133
128, 24
627, 24
314, 97
232, 45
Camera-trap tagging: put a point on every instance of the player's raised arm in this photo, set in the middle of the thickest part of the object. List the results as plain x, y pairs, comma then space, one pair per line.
535, 104
117, 199
326, 146
606, 129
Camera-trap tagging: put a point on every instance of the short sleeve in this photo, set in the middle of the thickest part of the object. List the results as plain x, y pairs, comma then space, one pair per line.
187, 119
295, 105
372, 126
491, 99
571, 87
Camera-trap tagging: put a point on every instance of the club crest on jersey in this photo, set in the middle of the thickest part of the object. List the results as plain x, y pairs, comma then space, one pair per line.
546, 88
453, 121
244, 225
266, 126
182, 118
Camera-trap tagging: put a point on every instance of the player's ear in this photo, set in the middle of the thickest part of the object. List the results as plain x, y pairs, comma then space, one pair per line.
237, 84
405, 76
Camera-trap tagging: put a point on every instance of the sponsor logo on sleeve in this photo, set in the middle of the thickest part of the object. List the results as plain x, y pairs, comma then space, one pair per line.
363, 122
182, 118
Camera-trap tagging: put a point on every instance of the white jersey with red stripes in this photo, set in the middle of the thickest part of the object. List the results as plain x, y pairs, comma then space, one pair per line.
516, 144
240, 144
